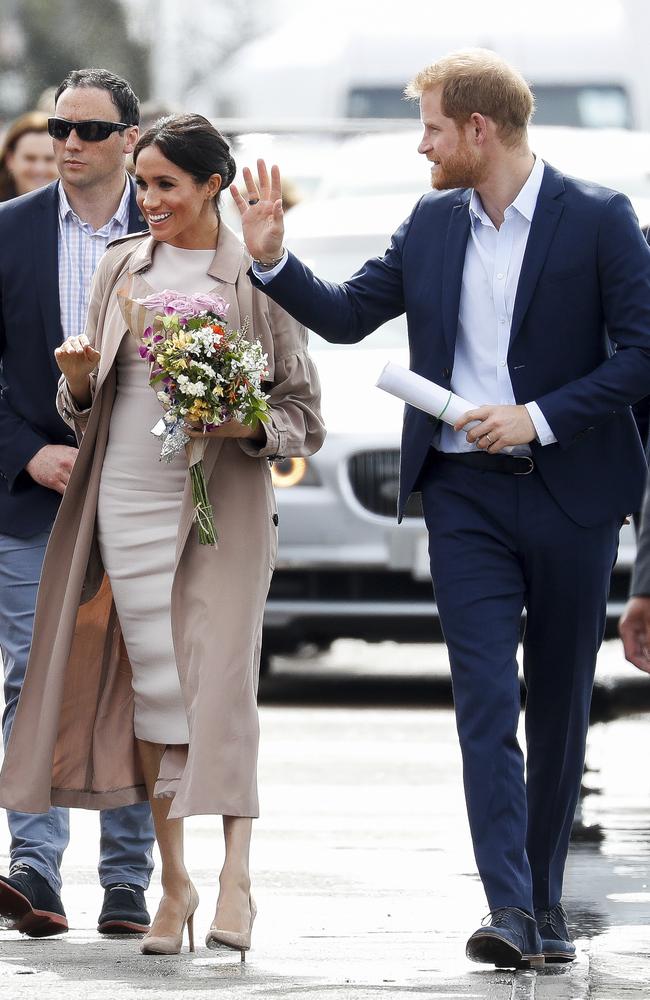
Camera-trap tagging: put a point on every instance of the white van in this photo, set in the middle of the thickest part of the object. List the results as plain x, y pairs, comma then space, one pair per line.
586, 61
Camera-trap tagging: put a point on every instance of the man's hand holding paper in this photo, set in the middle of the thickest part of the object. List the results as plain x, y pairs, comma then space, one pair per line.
492, 428
498, 427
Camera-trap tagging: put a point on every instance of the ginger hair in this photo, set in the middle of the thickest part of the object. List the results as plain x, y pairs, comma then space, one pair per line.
479, 81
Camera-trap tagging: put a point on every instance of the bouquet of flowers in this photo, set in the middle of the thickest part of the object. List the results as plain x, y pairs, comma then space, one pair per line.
204, 373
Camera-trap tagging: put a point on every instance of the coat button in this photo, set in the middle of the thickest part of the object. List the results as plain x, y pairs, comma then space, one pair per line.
446, 372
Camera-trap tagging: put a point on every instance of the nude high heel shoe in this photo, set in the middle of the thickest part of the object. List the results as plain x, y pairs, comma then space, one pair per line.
171, 944
217, 939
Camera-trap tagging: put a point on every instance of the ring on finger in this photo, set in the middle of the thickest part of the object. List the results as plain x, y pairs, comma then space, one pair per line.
488, 437
253, 201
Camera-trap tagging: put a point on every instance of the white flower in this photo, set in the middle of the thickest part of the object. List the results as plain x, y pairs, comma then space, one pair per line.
191, 388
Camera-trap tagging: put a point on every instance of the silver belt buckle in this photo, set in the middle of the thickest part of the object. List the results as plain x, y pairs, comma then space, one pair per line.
531, 465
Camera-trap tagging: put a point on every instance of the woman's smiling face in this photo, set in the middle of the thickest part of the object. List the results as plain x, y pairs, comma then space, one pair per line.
179, 210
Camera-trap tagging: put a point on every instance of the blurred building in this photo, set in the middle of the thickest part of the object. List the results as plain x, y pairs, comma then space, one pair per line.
275, 59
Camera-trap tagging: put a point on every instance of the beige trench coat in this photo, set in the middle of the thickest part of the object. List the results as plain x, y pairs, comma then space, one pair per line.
72, 742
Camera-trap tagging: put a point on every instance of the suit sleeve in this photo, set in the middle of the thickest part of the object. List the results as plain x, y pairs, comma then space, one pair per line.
343, 313
624, 276
641, 410
19, 442
640, 586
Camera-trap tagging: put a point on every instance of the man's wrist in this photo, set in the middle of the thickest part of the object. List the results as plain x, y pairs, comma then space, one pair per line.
268, 265
543, 433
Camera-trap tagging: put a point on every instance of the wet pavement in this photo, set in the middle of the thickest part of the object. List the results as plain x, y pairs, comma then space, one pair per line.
363, 869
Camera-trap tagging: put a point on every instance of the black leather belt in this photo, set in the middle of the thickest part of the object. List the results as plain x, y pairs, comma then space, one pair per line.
513, 465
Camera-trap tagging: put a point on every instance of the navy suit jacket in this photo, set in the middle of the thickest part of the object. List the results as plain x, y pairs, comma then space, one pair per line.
30, 330
580, 336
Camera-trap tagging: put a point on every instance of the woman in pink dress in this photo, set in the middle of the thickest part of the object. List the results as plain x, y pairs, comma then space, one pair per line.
183, 621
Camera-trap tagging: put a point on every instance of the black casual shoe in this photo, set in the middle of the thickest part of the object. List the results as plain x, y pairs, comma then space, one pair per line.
124, 910
554, 932
510, 940
28, 904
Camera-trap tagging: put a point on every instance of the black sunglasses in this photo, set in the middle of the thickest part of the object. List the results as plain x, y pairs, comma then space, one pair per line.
92, 130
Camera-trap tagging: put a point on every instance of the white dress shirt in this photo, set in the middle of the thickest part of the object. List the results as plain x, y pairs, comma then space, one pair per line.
491, 272
80, 250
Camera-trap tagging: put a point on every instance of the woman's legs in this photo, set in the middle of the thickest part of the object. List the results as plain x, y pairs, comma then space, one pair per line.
169, 835
233, 904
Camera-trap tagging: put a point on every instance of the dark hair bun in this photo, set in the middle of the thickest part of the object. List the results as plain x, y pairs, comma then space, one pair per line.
231, 170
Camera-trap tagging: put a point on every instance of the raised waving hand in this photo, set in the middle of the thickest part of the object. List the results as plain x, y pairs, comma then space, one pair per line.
261, 213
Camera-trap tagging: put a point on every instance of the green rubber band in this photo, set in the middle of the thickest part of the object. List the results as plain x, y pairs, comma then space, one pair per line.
439, 417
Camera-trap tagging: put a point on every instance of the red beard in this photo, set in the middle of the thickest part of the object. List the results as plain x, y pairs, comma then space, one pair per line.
462, 169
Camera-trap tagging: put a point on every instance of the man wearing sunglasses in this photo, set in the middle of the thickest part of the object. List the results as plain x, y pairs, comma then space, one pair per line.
51, 241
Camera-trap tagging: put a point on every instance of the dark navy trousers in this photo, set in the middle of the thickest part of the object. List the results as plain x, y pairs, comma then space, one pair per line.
500, 544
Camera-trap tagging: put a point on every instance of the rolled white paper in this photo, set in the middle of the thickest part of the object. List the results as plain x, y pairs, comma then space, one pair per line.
426, 395
423, 394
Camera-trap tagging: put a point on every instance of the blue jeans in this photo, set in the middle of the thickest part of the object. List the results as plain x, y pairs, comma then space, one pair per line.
39, 840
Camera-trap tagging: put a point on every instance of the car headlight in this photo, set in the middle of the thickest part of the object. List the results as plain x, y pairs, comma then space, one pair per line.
293, 472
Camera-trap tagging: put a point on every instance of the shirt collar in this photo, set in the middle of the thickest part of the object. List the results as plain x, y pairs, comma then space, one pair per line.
524, 203
121, 216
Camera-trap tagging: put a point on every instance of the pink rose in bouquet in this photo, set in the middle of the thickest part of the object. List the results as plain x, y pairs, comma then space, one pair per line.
175, 303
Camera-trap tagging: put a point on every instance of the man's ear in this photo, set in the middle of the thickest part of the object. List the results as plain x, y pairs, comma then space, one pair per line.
479, 128
131, 136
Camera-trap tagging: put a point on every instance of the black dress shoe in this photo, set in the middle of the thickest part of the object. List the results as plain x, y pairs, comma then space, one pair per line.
29, 904
124, 910
554, 932
510, 941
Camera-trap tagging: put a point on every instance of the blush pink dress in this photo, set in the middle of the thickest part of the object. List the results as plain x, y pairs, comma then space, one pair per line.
137, 517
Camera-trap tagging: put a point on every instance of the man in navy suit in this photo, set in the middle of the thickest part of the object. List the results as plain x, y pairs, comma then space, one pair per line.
50, 243
511, 276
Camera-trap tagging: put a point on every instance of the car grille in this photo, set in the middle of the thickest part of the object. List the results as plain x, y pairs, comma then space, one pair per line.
374, 477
